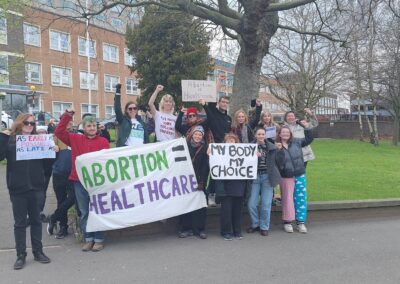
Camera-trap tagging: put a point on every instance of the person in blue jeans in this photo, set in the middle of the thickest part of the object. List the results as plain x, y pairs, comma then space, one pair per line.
267, 178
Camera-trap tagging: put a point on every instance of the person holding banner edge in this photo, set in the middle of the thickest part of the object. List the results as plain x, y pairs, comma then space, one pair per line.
25, 182
194, 223
132, 130
267, 178
82, 144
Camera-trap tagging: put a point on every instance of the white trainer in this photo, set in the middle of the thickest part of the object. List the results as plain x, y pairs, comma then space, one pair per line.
302, 228
288, 228
211, 200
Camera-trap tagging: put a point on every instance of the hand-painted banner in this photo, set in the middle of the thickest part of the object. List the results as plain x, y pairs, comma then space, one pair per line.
233, 161
30, 147
129, 186
194, 90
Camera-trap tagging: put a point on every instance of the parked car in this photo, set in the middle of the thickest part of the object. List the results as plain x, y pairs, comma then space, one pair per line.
109, 123
43, 118
6, 120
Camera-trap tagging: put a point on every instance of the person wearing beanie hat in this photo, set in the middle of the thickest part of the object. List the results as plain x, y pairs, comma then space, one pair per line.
193, 223
192, 120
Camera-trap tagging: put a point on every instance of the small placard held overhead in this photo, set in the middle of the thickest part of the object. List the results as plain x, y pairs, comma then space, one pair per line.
194, 90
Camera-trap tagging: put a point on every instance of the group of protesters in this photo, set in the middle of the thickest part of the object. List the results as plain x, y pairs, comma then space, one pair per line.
282, 154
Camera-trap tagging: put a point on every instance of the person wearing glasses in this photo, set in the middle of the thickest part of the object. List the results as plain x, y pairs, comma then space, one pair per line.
25, 182
164, 118
132, 130
192, 120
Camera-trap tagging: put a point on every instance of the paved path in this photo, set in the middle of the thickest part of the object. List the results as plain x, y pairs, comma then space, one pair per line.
339, 249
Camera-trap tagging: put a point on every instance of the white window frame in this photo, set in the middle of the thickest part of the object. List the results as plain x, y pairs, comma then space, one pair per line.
131, 92
27, 79
85, 53
61, 85
39, 34
112, 111
91, 106
106, 89
120, 24
6, 73
62, 109
4, 33
59, 43
87, 87
106, 53
128, 59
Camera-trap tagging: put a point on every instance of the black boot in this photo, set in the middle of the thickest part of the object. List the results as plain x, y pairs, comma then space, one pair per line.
41, 257
63, 232
20, 262
51, 225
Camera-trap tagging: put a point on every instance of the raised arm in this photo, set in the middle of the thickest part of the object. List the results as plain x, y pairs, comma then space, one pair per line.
253, 123
178, 123
152, 99
308, 137
117, 104
313, 119
61, 130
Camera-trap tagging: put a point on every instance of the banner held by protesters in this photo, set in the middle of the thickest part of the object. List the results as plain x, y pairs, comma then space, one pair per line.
132, 186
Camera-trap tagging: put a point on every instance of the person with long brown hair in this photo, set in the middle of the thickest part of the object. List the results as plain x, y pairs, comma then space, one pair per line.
25, 182
241, 125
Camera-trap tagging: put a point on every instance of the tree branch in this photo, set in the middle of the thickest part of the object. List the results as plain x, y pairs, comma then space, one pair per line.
274, 7
228, 33
343, 42
225, 10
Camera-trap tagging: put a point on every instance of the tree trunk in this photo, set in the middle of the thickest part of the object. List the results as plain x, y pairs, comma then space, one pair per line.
360, 120
375, 127
396, 130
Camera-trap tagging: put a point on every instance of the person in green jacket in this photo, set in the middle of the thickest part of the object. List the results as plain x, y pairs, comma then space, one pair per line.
132, 130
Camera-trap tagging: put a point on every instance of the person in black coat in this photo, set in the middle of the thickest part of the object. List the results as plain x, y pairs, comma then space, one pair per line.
194, 223
25, 182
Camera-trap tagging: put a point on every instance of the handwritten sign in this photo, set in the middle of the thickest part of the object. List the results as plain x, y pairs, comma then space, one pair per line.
194, 90
130, 186
233, 161
30, 147
270, 132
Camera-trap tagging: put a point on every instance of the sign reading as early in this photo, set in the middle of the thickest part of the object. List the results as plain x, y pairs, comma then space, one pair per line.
233, 161
194, 90
130, 186
30, 147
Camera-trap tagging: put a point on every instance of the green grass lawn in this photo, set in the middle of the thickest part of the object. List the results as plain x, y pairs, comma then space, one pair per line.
352, 170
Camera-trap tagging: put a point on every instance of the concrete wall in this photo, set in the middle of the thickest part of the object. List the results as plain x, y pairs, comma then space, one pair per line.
350, 129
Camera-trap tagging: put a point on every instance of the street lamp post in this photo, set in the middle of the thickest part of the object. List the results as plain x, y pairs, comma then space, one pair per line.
33, 93
2, 97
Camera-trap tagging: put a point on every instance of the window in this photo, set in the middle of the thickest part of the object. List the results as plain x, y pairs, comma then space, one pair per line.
110, 82
3, 30
109, 111
33, 73
116, 23
230, 79
59, 41
4, 75
101, 17
116, 9
82, 45
31, 34
131, 86
68, 5
110, 53
61, 76
84, 80
129, 60
93, 109
59, 108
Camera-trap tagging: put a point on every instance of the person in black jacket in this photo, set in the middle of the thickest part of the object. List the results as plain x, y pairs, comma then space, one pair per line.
25, 182
193, 223
293, 187
192, 120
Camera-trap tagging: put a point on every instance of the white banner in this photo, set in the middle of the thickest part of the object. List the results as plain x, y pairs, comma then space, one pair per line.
129, 186
30, 147
194, 90
233, 161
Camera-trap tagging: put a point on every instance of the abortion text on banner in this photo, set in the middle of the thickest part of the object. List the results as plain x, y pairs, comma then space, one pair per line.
194, 90
30, 147
233, 161
129, 186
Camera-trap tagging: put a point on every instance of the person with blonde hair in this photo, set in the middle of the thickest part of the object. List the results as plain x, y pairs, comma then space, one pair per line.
241, 126
267, 122
25, 182
164, 118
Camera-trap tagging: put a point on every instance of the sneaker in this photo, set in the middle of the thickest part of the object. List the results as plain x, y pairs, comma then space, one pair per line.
185, 234
301, 227
203, 235
211, 200
41, 257
20, 262
251, 230
87, 246
62, 233
238, 236
264, 233
288, 228
97, 247
227, 237
50, 226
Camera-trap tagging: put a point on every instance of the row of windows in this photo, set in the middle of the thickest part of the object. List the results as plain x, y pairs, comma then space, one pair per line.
61, 41
60, 107
62, 77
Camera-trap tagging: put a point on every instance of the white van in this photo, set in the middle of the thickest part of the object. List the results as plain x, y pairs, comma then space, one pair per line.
6, 120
